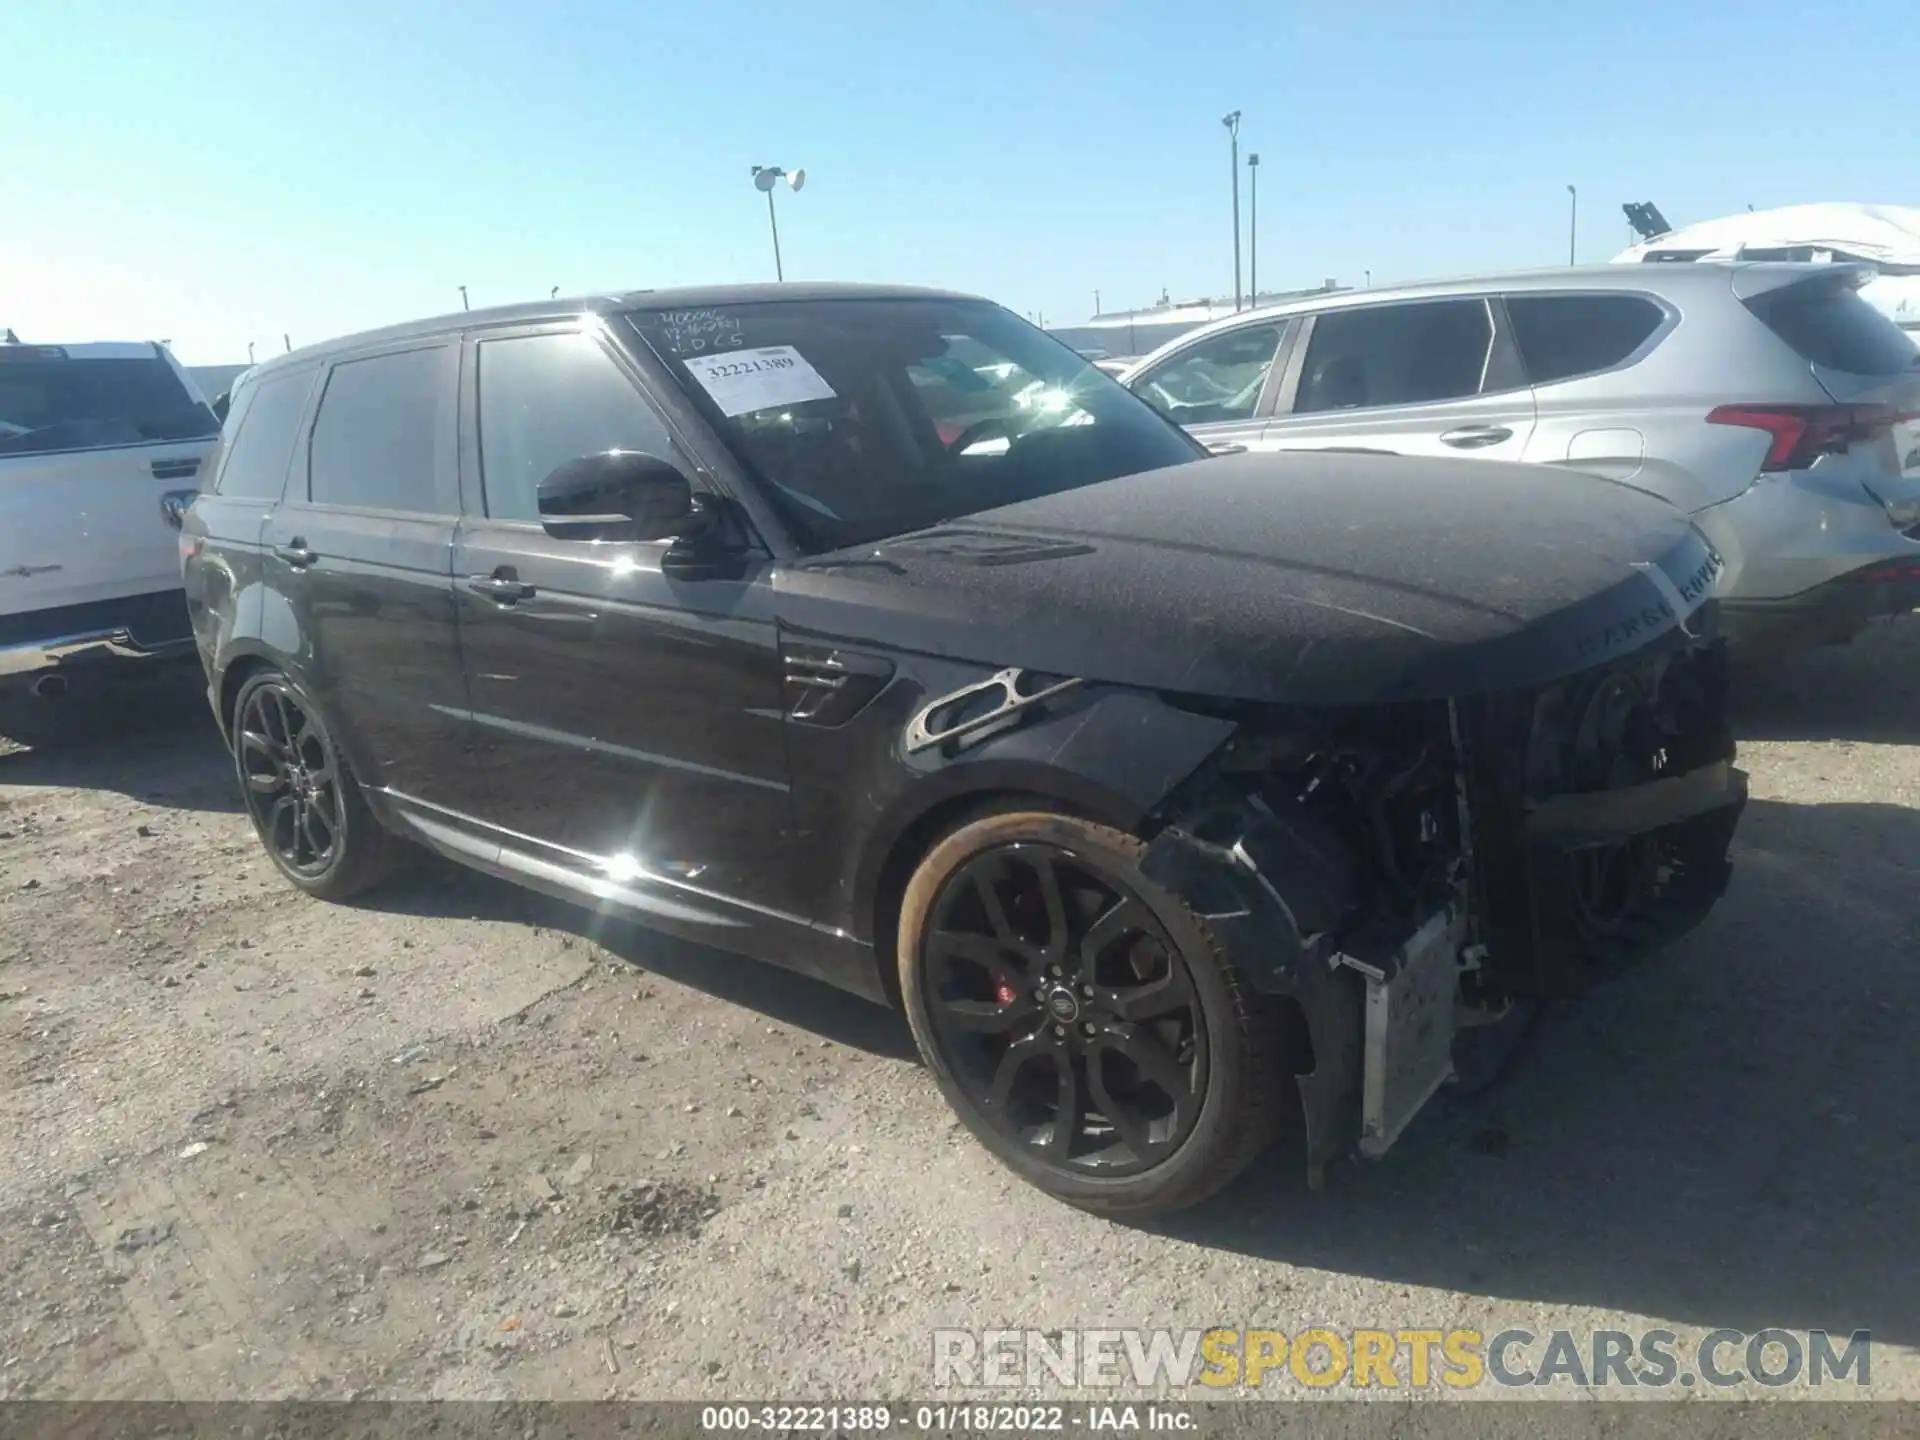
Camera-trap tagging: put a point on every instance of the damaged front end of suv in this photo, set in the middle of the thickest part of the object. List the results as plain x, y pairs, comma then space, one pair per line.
1407, 880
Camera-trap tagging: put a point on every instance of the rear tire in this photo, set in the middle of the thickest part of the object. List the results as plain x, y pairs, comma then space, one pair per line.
29, 719
305, 805
1094, 994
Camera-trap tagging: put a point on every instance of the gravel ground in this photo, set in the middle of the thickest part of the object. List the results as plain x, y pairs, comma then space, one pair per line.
462, 1142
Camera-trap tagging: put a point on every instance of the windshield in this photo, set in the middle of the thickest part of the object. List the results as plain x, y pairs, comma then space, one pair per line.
868, 418
53, 403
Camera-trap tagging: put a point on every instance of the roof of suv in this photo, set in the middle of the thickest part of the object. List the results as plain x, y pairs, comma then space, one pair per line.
692, 297
1672, 280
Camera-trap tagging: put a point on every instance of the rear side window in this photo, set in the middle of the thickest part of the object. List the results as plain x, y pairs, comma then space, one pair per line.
1561, 336
1411, 354
50, 403
548, 399
1828, 324
255, 467
376, 439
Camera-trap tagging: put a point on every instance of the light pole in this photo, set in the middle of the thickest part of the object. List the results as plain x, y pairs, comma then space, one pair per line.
463, 299
1232, 122
1253, 229
1573, 220
765, 177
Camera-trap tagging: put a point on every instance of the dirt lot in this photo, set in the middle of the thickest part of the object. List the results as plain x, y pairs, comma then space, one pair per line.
463, 1142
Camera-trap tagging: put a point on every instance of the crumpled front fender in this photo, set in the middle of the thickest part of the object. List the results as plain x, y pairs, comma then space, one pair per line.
1272, 885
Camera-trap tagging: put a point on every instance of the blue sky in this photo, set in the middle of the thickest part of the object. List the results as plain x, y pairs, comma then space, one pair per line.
224, 171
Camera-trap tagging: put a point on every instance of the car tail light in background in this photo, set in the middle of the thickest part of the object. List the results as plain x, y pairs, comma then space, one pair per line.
1891, 571
1803, 433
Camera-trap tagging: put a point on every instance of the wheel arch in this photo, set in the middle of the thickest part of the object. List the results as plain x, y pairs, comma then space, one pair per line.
885, 878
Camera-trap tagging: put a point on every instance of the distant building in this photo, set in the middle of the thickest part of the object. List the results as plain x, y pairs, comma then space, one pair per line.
1121, 334
213, 381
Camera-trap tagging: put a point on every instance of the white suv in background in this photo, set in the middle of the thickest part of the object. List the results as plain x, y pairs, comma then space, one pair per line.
100, 451
1768, 401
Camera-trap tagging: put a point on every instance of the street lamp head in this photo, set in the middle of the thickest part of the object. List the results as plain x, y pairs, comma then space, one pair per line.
1253, 160
765, 177
1572, 191
1232, 122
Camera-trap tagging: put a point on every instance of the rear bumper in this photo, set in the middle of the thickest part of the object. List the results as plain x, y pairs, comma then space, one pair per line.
1833, 611
137, 628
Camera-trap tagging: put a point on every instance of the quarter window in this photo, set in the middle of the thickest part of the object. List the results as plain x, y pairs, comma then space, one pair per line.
1218, 379
1411, 354
377, 438
1561, 336
548, 399
256, 461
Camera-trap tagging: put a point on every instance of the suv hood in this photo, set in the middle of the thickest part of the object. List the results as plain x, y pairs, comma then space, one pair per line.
1310, 578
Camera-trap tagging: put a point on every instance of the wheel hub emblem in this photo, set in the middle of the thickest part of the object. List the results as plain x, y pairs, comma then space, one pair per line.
1062, 1006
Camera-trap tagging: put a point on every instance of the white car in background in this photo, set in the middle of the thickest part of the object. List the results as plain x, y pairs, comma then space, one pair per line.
1885, 237
100, 451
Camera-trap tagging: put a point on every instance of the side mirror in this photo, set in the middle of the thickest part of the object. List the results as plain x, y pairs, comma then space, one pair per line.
619, 495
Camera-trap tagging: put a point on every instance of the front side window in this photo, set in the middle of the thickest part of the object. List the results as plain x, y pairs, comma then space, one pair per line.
871, 417
1218, 379
549, 399
1561, 336
261, 449
377, 436
1417, 353
51, 402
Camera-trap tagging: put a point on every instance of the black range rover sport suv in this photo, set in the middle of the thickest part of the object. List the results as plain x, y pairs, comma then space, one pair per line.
873, 633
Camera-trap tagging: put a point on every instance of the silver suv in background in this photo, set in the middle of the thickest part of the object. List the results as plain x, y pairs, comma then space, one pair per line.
1768, 401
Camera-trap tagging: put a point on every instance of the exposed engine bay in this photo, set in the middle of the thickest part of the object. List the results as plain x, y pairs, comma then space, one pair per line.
1397, 877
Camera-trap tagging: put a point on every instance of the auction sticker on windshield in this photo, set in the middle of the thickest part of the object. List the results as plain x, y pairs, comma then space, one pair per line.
741, 381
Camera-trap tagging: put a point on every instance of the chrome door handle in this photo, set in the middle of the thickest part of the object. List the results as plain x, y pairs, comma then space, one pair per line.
296, 553
1475, 437
503, 589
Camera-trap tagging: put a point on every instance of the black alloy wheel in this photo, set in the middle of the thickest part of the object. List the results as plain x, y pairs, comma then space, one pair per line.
1057, 996
1080, 1019
299, 794
292, 784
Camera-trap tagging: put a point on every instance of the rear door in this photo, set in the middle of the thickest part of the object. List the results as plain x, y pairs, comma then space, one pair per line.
1413, 377
359, 570
92, 439
221, 539
1220, 388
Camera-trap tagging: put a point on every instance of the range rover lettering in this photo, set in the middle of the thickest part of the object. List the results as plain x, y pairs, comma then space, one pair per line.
874, 633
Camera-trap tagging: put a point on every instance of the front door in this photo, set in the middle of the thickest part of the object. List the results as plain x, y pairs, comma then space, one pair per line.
628, 720
1426, 377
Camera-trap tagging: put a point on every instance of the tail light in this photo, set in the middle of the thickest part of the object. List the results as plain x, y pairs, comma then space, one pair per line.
1803, 433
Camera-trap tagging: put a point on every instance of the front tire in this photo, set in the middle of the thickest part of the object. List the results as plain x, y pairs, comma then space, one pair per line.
1081, 1020
305, 806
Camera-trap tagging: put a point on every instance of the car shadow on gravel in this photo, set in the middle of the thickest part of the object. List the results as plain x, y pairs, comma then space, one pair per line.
1725, 1136
438, 889
1867, 691
151, 739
